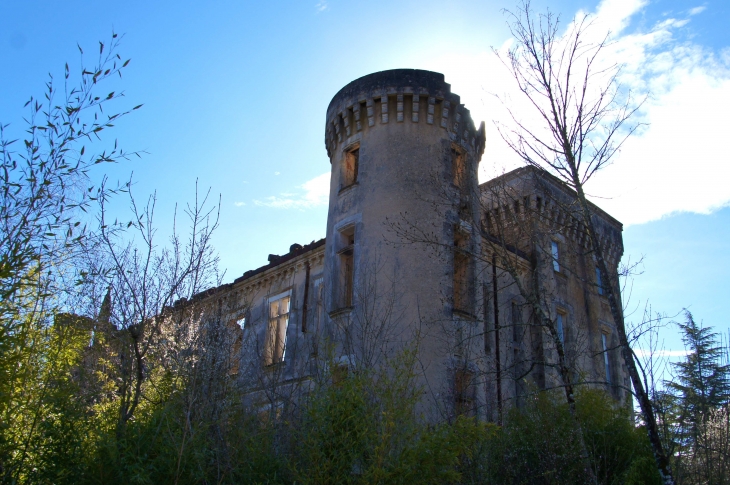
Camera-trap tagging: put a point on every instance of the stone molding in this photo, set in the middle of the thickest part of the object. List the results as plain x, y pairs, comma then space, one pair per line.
426, 95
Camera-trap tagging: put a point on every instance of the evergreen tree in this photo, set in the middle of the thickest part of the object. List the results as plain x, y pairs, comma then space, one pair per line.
702, 381
699, 391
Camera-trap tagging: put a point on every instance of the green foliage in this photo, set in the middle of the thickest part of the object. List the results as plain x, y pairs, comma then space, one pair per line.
537, 445
43, 189
618, 449
365, 429
540, 444
44, 439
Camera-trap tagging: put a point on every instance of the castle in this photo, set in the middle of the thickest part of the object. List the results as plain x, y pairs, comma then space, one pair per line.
418, 254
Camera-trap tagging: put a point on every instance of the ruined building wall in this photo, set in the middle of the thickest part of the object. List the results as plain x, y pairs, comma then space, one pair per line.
538, 217
410, 262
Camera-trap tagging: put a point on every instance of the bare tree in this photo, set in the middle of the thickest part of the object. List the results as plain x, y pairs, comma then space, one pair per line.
144, 280
585, 117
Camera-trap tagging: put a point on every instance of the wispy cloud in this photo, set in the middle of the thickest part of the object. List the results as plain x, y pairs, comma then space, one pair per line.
314, 193
239, 204
321, 6
696, 10
678, 161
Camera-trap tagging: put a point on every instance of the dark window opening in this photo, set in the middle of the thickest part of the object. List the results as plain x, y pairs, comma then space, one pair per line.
599, 281
352, 159
458, 168
560, 327
462, 263
347, 269
275, 347
463, 392
555, 253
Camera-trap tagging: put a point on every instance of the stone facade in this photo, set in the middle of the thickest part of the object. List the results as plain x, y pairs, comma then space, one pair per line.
418, 255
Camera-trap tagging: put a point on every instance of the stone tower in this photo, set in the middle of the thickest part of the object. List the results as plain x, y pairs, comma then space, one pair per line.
418, 256
404, 154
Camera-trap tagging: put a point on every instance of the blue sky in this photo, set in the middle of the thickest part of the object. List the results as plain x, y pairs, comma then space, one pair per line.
235, 95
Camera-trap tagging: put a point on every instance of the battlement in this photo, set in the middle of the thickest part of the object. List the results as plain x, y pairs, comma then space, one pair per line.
399, 96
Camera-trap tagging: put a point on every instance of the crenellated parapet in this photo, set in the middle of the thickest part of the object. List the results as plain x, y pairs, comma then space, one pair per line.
534, 194
400, 96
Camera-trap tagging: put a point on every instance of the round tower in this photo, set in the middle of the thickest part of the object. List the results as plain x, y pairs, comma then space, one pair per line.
404, 155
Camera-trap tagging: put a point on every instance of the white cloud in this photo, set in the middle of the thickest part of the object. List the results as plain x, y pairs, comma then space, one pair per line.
239, 204
615, 15
696, 10
321, 6
677, 162
315, 193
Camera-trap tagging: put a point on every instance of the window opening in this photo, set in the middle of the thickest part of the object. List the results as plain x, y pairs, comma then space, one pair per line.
555, 251
275, 348
318, 300
599, 280
463, 392
347, 268
606, 360
352, 159
559, 322
235, 328
458, 169
461, 274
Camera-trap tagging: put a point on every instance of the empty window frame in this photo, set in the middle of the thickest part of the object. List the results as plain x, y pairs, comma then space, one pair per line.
555, 253
346, 255
560, 326
235, 333
606, 359
350, 166
275, 346
458, 167
462, 263
463, 392
599, 281
318, 300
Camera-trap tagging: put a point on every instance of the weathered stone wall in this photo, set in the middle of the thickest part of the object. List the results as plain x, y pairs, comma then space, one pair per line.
410, 260
403, 210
